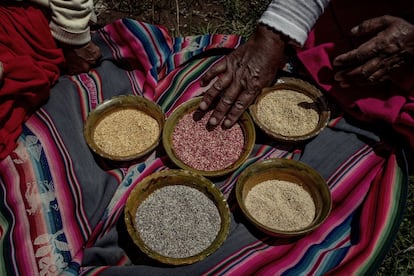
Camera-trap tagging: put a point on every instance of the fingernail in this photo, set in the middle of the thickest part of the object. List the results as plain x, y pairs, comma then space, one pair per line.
227, 123
203, 105
355, 30
338, 77
212, 121
344, 85
217, 86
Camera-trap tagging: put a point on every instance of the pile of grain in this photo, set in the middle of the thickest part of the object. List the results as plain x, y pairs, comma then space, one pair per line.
281, 205
288, 112
126, 132
206, 149
178, 221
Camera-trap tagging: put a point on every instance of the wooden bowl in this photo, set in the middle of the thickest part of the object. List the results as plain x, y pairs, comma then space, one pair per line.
245, 122
319, 104
117, 104
176, 177
291, 171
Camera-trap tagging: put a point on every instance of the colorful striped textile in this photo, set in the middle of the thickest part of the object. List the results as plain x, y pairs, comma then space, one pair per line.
61, 208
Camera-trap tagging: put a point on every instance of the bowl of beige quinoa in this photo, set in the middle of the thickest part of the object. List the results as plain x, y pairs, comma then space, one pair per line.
283, 197
124, 128
192, 145
292, 110
177, 217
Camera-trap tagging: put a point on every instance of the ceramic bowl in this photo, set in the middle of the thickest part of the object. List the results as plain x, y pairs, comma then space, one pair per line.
245, 122
116, 104
164, 178
319, 104
291, 171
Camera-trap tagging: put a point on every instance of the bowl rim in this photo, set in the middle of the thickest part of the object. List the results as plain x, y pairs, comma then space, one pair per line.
245, 122
116, 103
202, 184
274, 163
301, 86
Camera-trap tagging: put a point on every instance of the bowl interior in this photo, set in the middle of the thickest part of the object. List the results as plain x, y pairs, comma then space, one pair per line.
301, 86
245, 122
176, 177
291, 171
116, 104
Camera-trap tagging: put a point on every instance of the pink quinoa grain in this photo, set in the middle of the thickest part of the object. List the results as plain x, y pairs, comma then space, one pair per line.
206, 149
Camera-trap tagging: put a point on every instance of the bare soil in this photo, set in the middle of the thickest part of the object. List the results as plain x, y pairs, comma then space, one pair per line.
188, 18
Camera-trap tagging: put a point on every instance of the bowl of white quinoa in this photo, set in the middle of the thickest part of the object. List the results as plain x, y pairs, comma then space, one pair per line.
209, 151
124, 128
292, 110
283, 197
177, 217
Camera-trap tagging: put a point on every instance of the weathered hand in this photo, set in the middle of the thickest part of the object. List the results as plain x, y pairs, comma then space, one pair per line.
390, 44
80, 59
241, 76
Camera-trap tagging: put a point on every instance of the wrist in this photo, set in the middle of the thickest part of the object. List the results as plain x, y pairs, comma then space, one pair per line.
271, 37
272, 41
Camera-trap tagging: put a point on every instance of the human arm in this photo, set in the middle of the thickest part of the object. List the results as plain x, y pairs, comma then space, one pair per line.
241, 75
69, 26
389, 43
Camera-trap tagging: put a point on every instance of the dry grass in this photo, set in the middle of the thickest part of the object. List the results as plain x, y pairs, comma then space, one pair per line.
188, 17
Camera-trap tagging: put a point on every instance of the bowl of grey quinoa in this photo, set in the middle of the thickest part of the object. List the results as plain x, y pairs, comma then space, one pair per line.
192, 145
177, 217
283, 197
292, 110
124, 128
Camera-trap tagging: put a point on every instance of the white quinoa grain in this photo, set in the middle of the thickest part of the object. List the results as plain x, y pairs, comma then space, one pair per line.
126, 132
288, 112
178, 221
281, 205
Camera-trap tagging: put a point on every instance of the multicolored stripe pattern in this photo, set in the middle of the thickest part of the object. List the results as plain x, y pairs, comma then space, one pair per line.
49, 216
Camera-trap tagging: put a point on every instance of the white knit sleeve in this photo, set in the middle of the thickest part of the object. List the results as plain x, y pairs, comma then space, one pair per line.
70, 20
294, 18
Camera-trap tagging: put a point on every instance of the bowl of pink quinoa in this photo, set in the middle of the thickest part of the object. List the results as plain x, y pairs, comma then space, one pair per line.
193, 145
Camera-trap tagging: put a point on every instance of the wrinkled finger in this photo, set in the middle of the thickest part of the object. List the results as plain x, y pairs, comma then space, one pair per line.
219, 85
209, 96
240, 105
227, 100
373, 25
360, 55
362, 72
379, 76
388, 66
214, 71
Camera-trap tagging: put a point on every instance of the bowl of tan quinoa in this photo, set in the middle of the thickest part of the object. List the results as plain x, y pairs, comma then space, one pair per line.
292, 110
177, 217
282, 197
192, 145
124, 128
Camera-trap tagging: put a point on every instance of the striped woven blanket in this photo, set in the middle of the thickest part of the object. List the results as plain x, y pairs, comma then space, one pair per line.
61, 210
